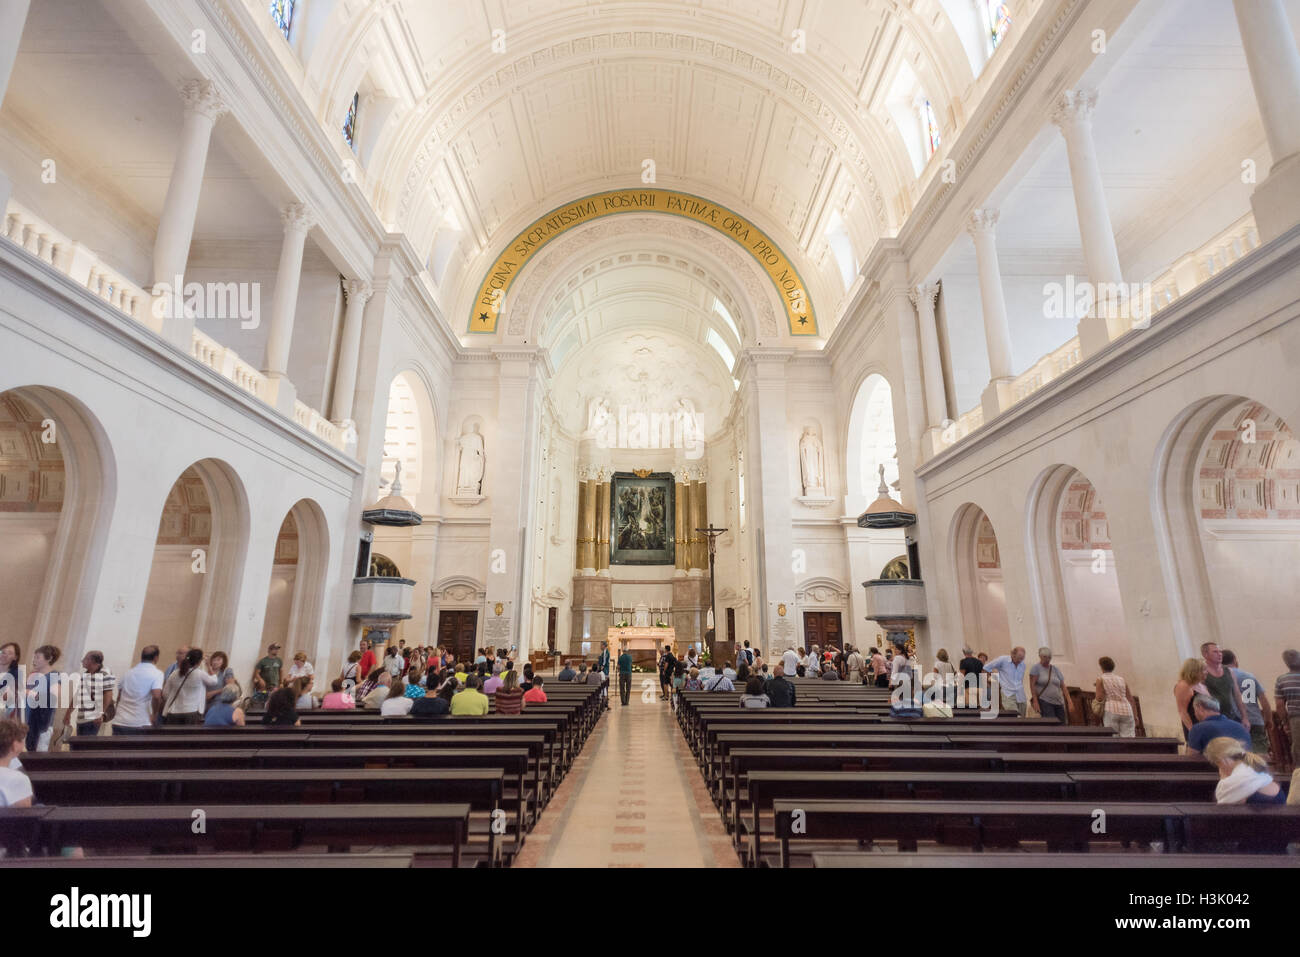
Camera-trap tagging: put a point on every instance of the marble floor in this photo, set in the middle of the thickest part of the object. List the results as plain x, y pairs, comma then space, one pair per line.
634, 798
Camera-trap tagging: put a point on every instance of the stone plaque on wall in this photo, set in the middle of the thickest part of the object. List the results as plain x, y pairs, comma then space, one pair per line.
783, 635
496, 629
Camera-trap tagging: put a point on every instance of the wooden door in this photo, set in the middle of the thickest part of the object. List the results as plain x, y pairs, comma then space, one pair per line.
457, 631
550, 628
822, 628
731, 626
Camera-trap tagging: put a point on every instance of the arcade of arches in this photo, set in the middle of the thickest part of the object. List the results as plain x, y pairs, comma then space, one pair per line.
634, 275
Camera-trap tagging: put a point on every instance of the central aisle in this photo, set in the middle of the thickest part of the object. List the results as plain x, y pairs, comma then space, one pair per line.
634, 798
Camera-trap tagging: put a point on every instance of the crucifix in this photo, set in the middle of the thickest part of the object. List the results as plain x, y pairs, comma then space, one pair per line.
712, 534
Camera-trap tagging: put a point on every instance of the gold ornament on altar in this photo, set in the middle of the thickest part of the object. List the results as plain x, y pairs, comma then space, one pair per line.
499, 609
642, 473
780, 609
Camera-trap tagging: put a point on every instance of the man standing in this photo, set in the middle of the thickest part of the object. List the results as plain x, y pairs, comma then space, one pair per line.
363, 667
268, 669
1258, 712
1010, 671
1287, 692
971, 668
624, 676
142, 696
780, 690
790, 662
94, 696
1223, 686
602, 665
667, 665
749, 655
854, 665
181, 652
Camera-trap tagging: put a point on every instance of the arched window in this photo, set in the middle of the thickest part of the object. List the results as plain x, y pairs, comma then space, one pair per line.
837, 237
282, 15
350, 121
997, 21
930, 127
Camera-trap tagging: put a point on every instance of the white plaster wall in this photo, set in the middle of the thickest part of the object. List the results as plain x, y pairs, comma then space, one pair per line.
1096, 617
26, 542
171, 606
279, 599
1256, 581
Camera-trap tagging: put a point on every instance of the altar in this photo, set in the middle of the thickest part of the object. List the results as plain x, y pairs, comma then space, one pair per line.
639, 639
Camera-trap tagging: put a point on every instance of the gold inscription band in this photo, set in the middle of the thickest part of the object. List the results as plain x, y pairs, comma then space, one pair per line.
491, 299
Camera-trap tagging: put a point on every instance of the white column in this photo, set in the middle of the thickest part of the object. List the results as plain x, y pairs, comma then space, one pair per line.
298, 221
1274, 62
997, 331
358, 291
13, 15
936, 405
171, 249
1073, 114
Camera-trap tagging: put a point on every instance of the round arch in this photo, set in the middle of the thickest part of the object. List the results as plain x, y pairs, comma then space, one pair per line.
74, 545
976, 570
215, 486
1073, 578
295, 618
871, 440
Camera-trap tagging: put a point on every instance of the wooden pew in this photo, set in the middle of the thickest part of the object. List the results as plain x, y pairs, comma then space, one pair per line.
189, 861
481, 789
1256, 828
251, 828
971, 823
860, 859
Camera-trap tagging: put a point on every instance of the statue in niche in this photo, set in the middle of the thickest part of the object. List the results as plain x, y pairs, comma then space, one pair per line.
597, 415
469, 462
812, 463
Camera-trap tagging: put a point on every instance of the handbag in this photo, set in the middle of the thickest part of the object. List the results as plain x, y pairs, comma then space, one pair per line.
189, 717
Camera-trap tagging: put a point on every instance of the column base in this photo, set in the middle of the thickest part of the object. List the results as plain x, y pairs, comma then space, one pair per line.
996, 398
349, 430
1276, 201
932, 442
1097, 332
280, 393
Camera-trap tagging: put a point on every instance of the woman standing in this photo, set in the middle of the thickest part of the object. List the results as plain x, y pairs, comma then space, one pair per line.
10, 655
1047, 686
352, 671
41, 698
1118, 710
219, 667
1191, 682
185, 691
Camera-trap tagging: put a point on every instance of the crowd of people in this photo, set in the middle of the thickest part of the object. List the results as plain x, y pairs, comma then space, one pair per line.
1224, 709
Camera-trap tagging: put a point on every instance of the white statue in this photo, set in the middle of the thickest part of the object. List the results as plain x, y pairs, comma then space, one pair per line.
812, 463
597, 415
469, 462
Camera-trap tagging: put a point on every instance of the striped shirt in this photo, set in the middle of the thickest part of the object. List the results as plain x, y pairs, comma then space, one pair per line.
1287, 690
1116, 691
91, 691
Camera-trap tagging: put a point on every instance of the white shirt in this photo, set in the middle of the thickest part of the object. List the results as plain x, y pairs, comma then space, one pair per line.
14, 785
1241, 784
301, 670
790, 662
396, 706
188, 694
135, 704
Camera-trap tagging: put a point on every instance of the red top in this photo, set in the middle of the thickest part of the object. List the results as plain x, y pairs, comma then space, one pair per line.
533, 695
367, 662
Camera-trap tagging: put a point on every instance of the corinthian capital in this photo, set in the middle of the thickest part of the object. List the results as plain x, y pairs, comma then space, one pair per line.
200, 96
297, 216
922, 296
358, 290
1074, 106
982, 221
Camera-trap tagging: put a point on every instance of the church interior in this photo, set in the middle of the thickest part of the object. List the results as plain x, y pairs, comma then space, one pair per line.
675, 345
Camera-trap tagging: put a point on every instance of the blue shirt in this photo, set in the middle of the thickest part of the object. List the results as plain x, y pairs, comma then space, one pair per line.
1249, 695
1203, 732
220, 714
1011, 678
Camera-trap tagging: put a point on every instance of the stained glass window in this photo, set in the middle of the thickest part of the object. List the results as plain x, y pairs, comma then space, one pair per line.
931, 126
282, 14
999, 20
350, 121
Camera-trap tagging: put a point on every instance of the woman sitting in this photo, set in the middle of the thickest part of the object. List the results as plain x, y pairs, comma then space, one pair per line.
1242, 775
397, 703
338, 699
754, 696
280, 708
693, 682
225, 711
306, 700
509, 698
